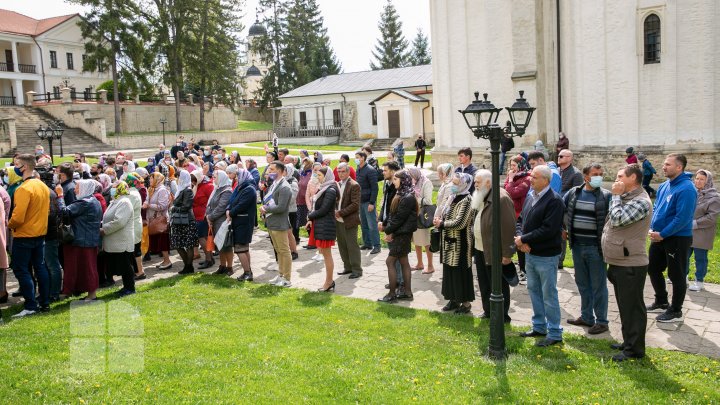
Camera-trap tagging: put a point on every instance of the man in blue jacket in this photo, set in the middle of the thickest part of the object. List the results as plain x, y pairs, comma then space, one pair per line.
671, 236
367, 179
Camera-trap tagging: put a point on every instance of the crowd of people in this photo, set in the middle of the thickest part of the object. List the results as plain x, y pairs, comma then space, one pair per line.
74, 227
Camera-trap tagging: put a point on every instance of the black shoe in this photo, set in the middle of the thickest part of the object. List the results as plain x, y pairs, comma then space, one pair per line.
206, 265
140, 277
309, 247
655, 307
247, 276
356, 276
220, 271
216, 253
16, 294
547, 342
463, 309
670, 316
4, 298
45, 308
532, 333
617, 346
620, 357
375, 250
404, 296
187, 270
451, 305
388, 298
146, 258
294, 255
344, 272
332, 287
123, 292
365, 247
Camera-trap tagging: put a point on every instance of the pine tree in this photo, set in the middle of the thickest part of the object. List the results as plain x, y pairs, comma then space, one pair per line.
392, 47
420, 52
270, 49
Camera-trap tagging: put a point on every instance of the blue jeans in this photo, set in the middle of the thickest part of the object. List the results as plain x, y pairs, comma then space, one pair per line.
24, 252
541, 275
52, 261
368, 225
591, 280
701, 263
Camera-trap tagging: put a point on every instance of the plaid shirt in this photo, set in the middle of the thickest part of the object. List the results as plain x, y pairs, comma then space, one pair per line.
629, 213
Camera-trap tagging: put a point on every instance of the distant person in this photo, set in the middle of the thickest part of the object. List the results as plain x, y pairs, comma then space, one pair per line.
348, 221
648, 173
704, 225
275, 208
631, 156
562, 143
399, 149
420, 146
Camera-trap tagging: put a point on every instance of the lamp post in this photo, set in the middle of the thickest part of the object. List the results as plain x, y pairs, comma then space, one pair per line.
50, 133
163, 121
481, 116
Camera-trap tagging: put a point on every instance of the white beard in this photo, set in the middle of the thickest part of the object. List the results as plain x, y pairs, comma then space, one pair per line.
478, 199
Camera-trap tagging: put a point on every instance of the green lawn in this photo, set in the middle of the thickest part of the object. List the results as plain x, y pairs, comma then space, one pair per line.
334, 147
254, 125
210, 339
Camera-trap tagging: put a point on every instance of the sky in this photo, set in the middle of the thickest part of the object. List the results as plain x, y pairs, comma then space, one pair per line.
351, 24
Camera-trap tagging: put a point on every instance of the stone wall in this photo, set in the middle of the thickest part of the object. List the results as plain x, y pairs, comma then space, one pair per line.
124, 142
254, 114
349, 122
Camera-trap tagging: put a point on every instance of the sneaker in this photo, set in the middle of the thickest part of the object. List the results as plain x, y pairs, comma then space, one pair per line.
273, 267
375, 250
24, 313
318, 257
275, 280
655, 307
697, 286
283, 283
670, 316
522, 278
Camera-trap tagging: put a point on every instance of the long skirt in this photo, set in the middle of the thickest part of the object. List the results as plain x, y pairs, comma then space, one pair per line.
80, 270
160, 242
457, 283
183, 236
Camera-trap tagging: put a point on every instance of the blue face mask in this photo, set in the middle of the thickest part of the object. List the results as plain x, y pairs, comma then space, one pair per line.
357, 162
113, 192
272, 176
6, 180
596, 181
18, 171
454, 189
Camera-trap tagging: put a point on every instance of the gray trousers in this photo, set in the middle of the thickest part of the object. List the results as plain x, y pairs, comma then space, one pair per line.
349, 248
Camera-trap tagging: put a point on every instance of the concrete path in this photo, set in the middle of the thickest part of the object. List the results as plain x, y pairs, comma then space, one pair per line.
699, 332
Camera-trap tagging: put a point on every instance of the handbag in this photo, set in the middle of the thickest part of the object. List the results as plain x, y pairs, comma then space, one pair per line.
426, 215
145, 242
435, 240
157, 225
210, 240
67, 235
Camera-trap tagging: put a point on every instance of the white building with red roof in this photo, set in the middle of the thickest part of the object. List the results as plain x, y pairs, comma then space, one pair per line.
42, 56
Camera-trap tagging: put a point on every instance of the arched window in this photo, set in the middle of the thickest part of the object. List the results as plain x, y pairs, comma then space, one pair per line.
652, 39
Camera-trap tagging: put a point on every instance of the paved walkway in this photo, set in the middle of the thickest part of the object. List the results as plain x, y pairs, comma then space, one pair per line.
699, 332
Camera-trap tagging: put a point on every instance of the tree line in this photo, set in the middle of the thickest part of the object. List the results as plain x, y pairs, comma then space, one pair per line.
392, 49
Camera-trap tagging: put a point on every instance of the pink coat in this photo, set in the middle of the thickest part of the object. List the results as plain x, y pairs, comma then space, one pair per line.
3, 239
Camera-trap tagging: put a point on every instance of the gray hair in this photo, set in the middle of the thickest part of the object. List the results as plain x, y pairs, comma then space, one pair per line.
483, 174
233, 168
544, 171
342, 165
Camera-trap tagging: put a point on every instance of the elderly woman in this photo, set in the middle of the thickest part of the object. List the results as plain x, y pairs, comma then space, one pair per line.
215, 214
517, 184
401, 223
157, 205
294, 231
311, 189
203, 188
232, 171
322, 221
704, 225
456, 252
80, 256
242, 212
444, 172
118, 243
183, 232
138, 196
306, 174
421, 238
164, 165
105, 182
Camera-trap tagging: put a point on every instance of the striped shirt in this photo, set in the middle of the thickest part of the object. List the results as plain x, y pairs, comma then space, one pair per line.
584, 221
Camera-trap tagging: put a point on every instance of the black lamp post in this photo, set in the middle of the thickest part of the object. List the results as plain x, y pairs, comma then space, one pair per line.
163, 121
481, 117
50, 133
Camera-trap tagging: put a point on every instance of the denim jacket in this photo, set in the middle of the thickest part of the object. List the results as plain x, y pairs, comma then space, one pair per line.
85, 216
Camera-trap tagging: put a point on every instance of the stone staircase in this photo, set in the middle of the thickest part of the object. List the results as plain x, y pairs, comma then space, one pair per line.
28, 119
383, 144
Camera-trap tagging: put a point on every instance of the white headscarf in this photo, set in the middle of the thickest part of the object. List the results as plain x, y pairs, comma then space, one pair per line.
183, 182
327, 183
463, 188
86, 188
222, 181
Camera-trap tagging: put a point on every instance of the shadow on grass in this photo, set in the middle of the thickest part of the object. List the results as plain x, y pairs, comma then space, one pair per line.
216, 281
502, 391
396, 311
315, 299
264, 291
645, 375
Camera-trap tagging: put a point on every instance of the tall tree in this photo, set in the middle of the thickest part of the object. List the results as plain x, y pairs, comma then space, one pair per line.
392, 47
270, 49
420, 52
115, 38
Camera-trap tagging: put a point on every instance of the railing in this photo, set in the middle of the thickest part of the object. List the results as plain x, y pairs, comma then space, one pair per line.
6, 67
47, 97
26, 68
307, 132
7, 100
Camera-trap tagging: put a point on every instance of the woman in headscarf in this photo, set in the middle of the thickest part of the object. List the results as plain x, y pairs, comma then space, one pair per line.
232, 171
456, 252
423, 189
322, 222
444, 172
105, 182
150, 167
203, 190
399, 149
80, 257
157, 205
312, 188
302, 207
138, 197
118, 238
105, 277
402, 222
164, 165
704, 225
215, 214
318, 156
98, 195
112, 174
242, 212
13, 181
517, 184
183, 232
171, 180
294, 231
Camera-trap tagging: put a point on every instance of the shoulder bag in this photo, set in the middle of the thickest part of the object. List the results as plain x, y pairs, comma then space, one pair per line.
426, 215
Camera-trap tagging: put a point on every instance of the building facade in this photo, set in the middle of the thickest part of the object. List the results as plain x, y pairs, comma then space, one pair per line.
42, 56
608, 73
252, 69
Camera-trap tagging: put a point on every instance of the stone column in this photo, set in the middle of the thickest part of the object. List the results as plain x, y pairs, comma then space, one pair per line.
103, 97
19, 95
15, 67
29, 97
190, 100
137, 98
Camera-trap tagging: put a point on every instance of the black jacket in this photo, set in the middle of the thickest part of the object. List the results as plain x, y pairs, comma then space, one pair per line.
368, 180
323, 214
182, 212
404, 220
540, 226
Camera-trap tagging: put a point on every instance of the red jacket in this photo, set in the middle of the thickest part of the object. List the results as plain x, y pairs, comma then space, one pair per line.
518, 190
202, 196
101, 200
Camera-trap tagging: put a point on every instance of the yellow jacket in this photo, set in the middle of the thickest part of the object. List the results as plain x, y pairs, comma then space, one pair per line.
31, 207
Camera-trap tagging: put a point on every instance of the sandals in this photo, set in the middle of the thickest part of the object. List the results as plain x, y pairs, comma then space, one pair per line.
428, 271
417, 268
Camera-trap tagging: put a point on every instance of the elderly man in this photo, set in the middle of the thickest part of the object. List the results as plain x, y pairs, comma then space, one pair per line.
623, 246
539, 236
483, 244
348, 220
586, 208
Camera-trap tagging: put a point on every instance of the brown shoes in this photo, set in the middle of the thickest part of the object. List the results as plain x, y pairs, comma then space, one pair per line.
598, 328
579, 322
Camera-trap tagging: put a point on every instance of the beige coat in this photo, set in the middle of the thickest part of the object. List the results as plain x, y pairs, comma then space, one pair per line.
706, 216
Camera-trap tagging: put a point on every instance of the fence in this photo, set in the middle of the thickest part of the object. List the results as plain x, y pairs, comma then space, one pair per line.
7, 100
307, 132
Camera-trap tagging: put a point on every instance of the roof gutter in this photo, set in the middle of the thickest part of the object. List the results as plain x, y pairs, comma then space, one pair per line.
423, 118
42, 65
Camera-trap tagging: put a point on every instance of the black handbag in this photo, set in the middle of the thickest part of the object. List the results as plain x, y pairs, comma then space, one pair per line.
426, 215
435, 240
67, 235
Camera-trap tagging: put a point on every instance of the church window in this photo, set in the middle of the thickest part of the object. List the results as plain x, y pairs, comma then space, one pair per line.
652, 39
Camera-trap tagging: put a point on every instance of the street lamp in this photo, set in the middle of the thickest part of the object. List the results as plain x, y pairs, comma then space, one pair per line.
481, 116
163, 121
50, 133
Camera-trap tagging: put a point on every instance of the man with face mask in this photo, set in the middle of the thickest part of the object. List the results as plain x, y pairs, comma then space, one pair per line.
586, 207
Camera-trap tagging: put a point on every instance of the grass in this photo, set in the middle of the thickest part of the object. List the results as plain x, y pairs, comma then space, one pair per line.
209, 339
334, 147
254, 125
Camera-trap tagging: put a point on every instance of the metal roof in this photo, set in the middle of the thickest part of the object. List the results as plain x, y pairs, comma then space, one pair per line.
401, 93
308, 105
414, 76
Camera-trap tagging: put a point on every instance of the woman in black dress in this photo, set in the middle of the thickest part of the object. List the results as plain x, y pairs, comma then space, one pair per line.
402, 222
456, 251
183, 231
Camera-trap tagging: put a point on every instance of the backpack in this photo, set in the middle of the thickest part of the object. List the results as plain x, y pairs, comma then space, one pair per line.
374, 164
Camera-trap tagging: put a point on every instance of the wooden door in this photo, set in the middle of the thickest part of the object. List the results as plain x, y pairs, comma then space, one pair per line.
394, 123
9, 60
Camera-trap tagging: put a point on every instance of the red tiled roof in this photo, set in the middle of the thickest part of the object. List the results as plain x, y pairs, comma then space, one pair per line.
16, 23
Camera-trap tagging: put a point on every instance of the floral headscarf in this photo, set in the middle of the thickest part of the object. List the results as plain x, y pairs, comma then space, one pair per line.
133, 180
447, 169
122, 189
406, 186
419, 180
522, 163
463, 188
327, 183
